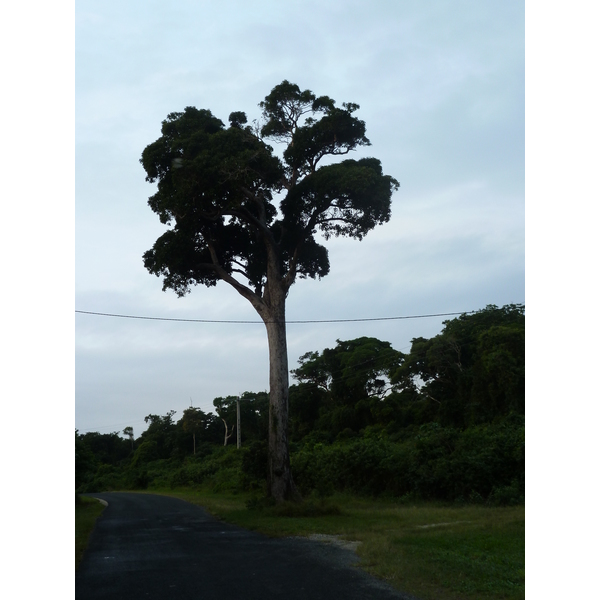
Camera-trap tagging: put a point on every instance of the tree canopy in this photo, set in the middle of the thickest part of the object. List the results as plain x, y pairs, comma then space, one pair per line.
473, 370
218, 187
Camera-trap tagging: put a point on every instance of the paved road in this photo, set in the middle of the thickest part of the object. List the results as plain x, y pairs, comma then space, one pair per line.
147, 546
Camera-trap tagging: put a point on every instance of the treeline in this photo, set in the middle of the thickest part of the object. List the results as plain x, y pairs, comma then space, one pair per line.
445, 421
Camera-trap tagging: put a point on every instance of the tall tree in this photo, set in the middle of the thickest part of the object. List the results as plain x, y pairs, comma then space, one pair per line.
162, 431
474, 370
218, 186
194, 420
356, 376
353, 370
128, 431
226, 410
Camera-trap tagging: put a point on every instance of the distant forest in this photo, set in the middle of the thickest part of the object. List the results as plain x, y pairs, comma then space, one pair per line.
444, 422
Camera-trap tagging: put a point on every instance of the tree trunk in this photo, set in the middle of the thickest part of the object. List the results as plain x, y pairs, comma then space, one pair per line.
280, 483
271, 308
226, 430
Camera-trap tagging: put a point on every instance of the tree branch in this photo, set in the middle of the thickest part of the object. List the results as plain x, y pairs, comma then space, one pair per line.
241, 272
251, 196
242, 289
289, 278
320, 155
245, 215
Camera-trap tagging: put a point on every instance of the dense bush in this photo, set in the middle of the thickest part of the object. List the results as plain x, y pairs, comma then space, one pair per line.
220, 471
106, 478
86, 463
146, 452
484, 462
255, 460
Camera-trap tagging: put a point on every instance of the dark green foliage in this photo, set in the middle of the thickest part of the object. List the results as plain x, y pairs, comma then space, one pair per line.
356, 466
473, 371
254, 415
86, 462
106, 478
306, 403
444, 422
499, 372
194, 472
352, 370
160, 439
194, 420
341, 388
255, 459
485, 462
108, 448
98, 458
147, 451
217, 186
220, 471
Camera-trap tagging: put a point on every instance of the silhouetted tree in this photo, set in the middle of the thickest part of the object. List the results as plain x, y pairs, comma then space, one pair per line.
217, 187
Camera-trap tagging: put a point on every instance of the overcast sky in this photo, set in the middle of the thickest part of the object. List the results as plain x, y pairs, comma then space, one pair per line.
440, 86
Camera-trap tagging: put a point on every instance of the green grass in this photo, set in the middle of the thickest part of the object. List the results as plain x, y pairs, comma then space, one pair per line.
87, 510
432, 551
472, 552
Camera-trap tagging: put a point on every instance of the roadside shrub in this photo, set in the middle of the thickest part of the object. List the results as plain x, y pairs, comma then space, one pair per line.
145, 453
106, 479
255, 460
479, 464
488, 458
358, 466
85, 463
508, 495
159, 472
220, 471
226, 480
138, 479
194, 472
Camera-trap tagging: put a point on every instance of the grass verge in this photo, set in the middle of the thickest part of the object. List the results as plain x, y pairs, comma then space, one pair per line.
432, 551
87, 510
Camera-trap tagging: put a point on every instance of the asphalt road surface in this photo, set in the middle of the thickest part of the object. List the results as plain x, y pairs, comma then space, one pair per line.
147, 546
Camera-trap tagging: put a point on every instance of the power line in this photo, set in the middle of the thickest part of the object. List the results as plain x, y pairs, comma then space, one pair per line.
85, 312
